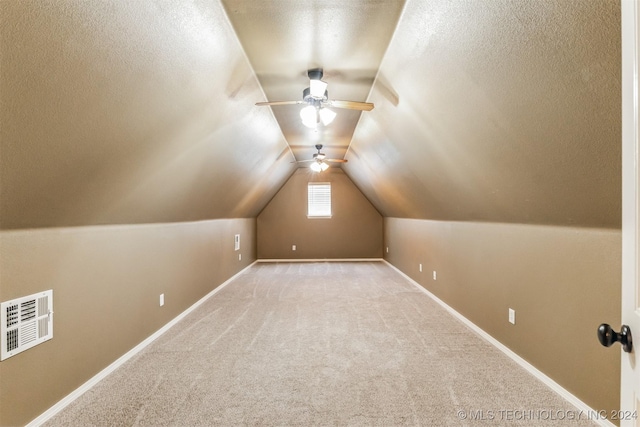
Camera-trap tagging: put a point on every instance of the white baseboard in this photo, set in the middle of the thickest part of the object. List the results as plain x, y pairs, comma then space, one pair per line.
64, 402
322, 260
124, 358
564, 393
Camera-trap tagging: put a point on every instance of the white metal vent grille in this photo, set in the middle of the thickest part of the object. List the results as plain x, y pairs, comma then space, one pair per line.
26, 322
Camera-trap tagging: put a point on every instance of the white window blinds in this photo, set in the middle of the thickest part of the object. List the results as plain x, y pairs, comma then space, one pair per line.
319, 198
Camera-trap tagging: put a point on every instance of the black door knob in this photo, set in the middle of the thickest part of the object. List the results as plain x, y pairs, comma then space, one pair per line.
607, 336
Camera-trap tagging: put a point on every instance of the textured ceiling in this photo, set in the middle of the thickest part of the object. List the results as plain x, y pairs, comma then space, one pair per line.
137, 112
502, 111
130, 112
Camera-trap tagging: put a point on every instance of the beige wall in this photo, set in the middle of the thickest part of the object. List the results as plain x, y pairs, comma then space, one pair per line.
353, 231
106, 284
562, 281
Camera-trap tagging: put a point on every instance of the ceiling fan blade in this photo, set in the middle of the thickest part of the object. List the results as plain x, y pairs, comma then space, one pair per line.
336, 160
350, 105
304, 161
280, 103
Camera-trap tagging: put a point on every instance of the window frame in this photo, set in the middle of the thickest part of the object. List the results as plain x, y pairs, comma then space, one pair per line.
315, 214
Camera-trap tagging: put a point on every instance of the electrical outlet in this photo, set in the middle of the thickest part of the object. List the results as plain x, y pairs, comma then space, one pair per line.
239, 257
420, 268
435, 275
387, 249
161, 300
293, 247
512, 316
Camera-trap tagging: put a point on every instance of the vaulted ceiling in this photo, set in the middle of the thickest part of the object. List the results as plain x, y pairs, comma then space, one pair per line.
284, 39
115, 112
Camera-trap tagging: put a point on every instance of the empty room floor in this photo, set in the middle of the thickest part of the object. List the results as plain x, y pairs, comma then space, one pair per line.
319, 343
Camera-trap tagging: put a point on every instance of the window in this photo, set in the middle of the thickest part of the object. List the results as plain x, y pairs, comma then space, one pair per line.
319, 198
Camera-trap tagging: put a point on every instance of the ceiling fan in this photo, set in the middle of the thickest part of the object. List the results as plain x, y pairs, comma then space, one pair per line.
317, 99
318, 162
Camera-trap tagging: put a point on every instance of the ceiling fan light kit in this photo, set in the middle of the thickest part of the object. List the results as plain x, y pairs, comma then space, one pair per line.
319, 166
309, 116
312, 116
326, 115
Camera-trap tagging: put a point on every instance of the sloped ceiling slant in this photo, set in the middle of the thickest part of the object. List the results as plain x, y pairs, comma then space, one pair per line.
130, 112
496, 111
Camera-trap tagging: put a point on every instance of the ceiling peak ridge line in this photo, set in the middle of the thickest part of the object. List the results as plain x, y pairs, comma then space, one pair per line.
375, 79
393, 36
316, 260
253, 72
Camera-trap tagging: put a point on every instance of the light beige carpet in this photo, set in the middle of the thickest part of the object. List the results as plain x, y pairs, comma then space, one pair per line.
300, 344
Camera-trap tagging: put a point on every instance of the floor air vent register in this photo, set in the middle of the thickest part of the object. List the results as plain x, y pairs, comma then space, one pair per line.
26, 322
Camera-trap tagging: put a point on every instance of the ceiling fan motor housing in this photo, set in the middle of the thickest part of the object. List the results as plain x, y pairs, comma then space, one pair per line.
319, 155
312, 100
